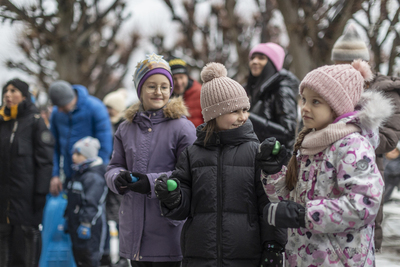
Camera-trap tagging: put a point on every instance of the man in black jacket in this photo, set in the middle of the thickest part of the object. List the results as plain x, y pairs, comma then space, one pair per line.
272, 92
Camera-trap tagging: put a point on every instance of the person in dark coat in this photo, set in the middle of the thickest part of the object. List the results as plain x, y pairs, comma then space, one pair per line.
146, 145
219, 190
392, 172
85, 212
347, 48
272, 91
26, 162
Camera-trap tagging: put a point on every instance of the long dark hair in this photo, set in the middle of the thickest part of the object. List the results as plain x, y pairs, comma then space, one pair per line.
292, 167
210, 128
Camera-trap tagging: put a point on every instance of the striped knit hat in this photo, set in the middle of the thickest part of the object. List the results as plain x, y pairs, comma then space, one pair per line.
219, 94
340, 85
153, 64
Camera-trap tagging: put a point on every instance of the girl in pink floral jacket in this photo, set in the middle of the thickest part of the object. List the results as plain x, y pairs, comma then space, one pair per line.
329, 194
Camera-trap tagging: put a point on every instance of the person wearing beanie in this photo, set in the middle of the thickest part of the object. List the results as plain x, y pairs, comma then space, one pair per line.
85, 212
75, 114
272, 91
219, 191
26, 162
115, 104
146, 145
350, 47
188, 88
329, 194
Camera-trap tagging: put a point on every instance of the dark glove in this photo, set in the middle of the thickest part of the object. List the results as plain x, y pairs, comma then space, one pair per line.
142, 186
39, 201
269, 163
122, 180
272, 255
285, 214
171, 199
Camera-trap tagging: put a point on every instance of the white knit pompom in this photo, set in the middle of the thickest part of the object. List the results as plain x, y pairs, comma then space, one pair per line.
213, 70
364, 68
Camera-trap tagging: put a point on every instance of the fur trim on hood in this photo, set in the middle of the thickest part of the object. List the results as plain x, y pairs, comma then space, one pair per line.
174, 109
374, 108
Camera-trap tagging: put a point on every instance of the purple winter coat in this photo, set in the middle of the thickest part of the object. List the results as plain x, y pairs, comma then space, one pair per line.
149, 143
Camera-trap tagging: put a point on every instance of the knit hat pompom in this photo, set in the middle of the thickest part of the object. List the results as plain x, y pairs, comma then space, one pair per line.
213, 70
220, 94
364, 68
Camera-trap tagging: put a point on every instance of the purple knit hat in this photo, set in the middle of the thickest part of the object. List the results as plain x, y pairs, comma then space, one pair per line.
340, 85
273, 51
153, 64
220, 94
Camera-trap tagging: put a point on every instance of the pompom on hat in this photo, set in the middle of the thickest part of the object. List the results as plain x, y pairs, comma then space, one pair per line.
350, 46
153, 64
340, 85
220, 94
273, 51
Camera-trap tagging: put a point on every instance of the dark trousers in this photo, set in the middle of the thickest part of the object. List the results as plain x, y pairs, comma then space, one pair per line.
20, 245
155, 264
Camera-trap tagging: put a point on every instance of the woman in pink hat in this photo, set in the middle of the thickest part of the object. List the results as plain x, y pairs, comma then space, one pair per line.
271, 90
329, 194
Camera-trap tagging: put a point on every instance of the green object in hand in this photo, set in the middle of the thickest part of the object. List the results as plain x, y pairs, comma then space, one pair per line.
171, 185
276, 148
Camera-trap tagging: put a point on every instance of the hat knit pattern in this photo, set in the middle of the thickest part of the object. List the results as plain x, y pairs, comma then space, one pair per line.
340, 86
153, 64
220, 94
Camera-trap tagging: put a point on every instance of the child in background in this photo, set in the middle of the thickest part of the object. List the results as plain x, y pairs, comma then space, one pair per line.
330, 193
85, 212
219, 190
146, 145
392, 172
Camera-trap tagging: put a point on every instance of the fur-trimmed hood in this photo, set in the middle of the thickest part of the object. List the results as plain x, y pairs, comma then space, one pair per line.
372, 111
174, 109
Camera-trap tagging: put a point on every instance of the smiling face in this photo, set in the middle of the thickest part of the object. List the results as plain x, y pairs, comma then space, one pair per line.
155, 92
257, 63
315, 111
232, 120
181, 81
12, 96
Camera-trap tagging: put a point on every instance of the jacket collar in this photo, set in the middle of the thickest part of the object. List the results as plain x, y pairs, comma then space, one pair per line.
174, 109
242, 134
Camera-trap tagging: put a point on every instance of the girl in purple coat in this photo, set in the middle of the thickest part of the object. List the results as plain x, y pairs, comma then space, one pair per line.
147, 145
329, 195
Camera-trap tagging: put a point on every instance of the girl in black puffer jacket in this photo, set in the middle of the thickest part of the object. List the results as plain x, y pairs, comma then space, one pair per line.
219, 189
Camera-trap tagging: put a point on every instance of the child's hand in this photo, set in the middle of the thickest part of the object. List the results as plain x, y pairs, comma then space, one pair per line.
122, 180
84, 231
272, 255
142, 186
171, 199
285, 214
268, 162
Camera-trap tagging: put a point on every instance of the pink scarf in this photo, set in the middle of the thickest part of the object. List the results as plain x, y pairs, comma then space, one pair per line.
317, 141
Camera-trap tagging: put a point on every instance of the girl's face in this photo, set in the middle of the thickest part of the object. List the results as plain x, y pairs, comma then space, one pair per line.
78, 158
257, 63
315, 111
155, 92
232, 120
12, 96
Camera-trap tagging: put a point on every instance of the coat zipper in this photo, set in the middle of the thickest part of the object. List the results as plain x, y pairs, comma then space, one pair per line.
219, 204
15, 127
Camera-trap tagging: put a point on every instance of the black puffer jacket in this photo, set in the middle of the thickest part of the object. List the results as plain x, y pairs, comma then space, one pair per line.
26, 162
273, 109
222, 199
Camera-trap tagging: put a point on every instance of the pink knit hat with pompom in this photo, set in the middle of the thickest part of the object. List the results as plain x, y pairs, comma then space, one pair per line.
219, 94
340, 85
